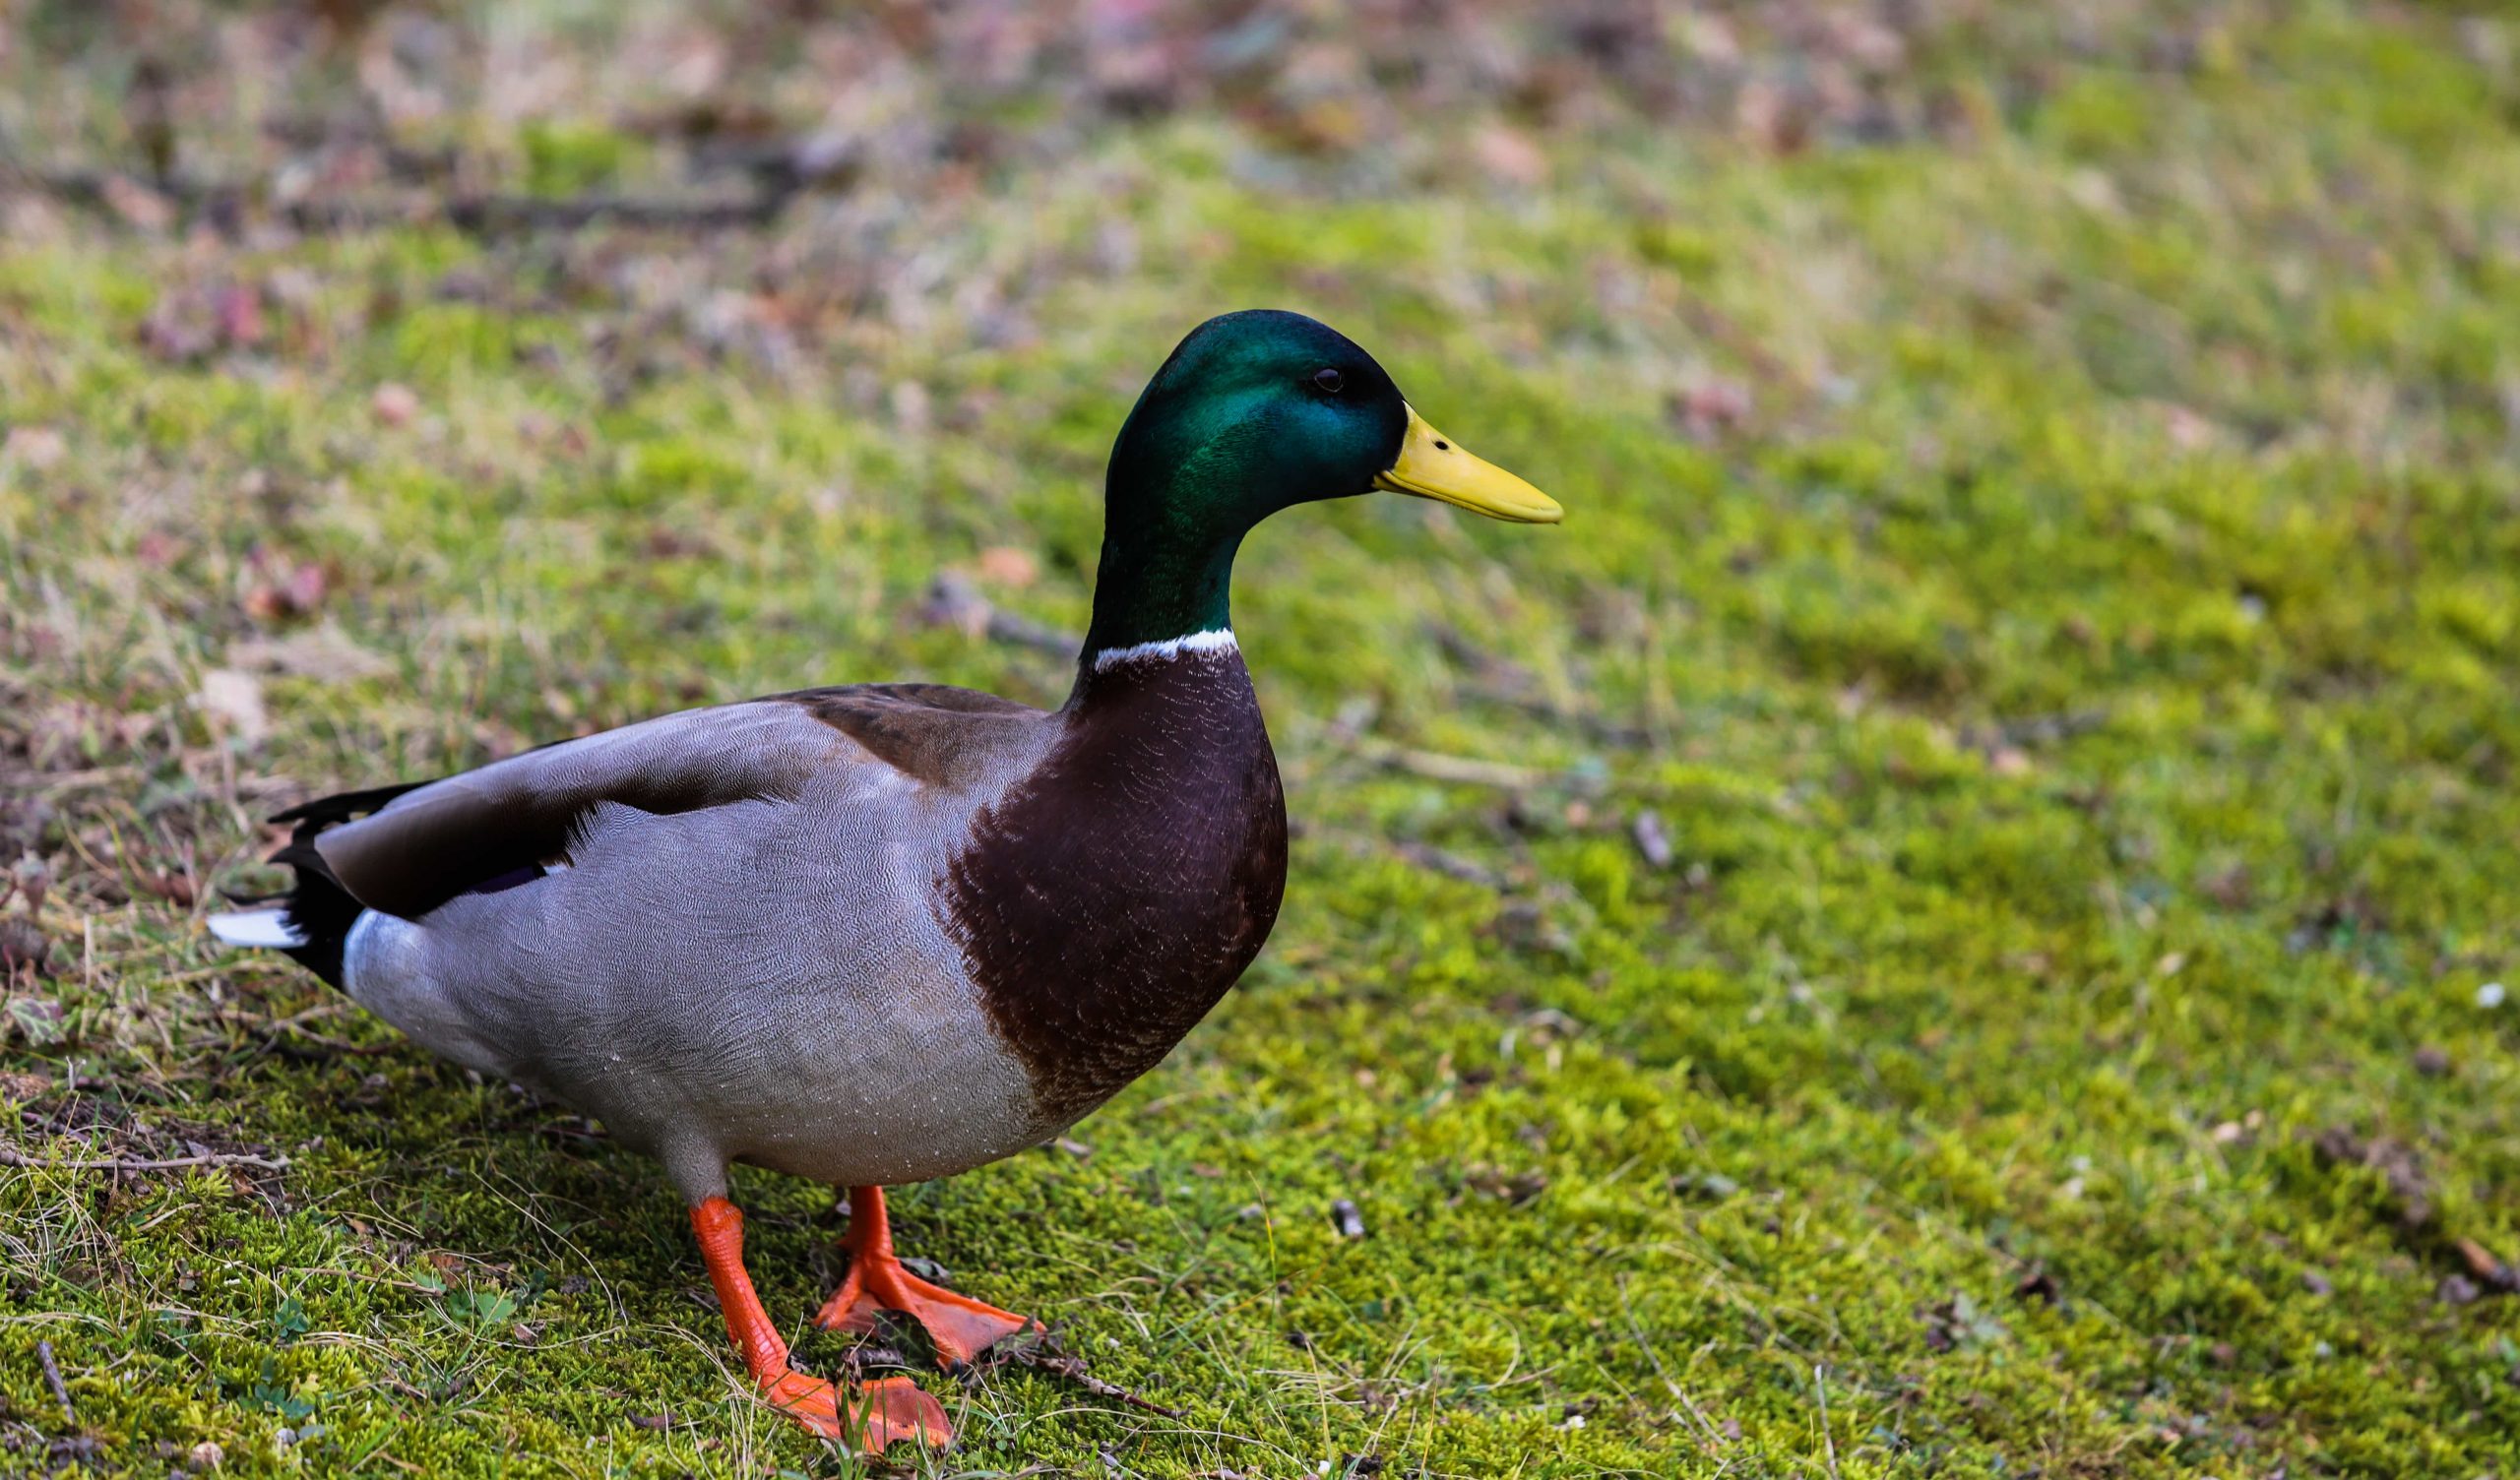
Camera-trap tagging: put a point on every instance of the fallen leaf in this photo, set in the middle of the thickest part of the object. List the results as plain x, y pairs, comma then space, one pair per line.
174, 888
298, 593
2488, 1271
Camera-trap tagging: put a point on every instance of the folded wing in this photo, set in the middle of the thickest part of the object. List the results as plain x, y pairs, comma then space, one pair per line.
422, 846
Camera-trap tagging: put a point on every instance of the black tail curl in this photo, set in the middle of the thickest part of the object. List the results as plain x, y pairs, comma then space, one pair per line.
316, 906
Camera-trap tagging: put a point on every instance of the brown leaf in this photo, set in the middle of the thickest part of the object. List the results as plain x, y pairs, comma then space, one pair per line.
2488, 1271
173, 887
296, 592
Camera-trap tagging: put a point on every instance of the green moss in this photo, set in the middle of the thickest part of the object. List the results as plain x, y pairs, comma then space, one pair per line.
2075, 690
565, 158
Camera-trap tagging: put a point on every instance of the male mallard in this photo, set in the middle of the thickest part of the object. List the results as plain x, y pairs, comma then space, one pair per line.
887, 932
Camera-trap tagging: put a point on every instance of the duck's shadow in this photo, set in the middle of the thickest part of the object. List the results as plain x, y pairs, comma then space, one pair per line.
476, 1184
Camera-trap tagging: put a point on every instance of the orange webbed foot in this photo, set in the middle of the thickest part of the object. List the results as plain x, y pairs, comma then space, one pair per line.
959, 1327
873, 1416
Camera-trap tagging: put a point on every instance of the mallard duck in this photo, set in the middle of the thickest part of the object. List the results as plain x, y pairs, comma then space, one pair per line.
882, 933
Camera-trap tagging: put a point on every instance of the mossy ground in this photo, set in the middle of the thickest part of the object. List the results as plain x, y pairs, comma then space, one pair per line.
2052, 570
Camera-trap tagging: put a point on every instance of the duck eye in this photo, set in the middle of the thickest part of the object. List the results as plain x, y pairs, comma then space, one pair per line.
1328, 379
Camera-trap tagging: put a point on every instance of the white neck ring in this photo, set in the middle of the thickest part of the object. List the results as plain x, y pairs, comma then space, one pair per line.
1214, 640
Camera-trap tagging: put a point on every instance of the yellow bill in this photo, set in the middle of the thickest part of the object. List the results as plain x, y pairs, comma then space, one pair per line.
1432, 465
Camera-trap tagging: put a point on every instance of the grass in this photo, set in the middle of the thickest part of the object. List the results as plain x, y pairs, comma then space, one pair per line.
2046, 574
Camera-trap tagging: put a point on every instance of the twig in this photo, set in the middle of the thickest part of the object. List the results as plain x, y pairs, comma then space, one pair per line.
1607, 731
1020, 630
1453, 865
1059, 1363
1073, 1369
951, 600
12, 1156
491, 215
1435, 766
52, 1375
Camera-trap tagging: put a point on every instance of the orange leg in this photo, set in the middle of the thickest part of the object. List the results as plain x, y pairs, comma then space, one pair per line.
962, 1327
875, 1415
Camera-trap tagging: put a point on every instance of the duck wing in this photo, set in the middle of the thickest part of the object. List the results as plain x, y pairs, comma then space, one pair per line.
418, 846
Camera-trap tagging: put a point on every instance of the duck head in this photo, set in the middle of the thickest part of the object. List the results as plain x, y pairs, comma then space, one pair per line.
1255, 412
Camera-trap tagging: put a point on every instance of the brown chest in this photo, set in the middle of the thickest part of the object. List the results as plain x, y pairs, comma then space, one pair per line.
1108, 900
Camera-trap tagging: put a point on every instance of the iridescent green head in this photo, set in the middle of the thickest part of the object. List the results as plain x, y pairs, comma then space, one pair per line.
1256, 411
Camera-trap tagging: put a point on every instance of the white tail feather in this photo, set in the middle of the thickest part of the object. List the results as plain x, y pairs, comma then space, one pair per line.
254, 927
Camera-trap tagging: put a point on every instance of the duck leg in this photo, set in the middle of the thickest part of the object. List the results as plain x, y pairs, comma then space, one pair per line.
873, 1415
961, 1328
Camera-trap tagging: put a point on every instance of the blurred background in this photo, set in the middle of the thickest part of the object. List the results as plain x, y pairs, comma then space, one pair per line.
1953, 919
